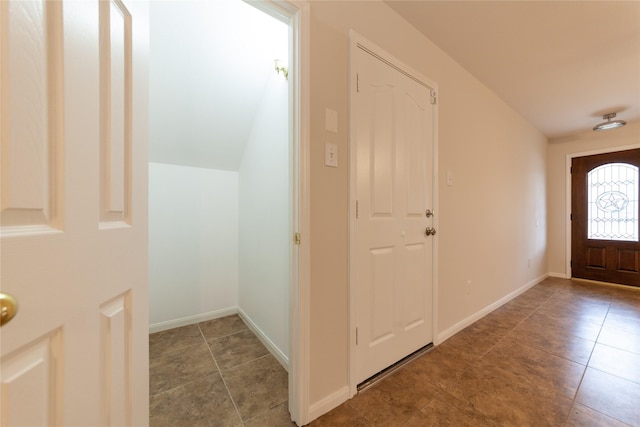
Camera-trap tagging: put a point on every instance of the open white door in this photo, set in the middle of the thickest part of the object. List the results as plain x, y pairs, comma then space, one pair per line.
392, 256
74, 212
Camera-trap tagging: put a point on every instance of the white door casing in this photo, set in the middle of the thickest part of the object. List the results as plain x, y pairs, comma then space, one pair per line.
74, 212
392, 258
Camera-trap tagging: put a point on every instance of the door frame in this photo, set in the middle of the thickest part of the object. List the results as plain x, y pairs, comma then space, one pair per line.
296, 15
355, 42
569, 159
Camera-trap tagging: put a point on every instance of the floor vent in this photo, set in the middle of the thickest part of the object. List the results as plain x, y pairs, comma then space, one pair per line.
371, 381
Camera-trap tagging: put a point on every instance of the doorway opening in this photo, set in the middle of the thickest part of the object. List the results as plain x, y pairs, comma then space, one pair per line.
227, 172
605, 207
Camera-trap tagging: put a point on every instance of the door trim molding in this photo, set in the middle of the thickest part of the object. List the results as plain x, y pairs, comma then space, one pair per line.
567, 211
296, 13
356, 41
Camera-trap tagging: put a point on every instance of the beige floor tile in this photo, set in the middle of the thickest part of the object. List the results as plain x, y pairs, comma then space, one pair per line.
624, 339
236, 349
447, 411
257, 386
506, 401
394, 400
611, 395
569, 325
582, 416
161, 343
617, 362
539, 370
442, 366
180, 367
275, 417
218, 328
342, 416
554, 340
204, 402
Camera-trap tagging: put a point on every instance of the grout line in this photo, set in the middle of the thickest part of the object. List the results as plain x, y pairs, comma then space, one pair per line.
586, 367
221, 377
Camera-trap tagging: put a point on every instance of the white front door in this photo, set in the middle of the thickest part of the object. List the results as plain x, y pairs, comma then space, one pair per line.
393, 257
73, 213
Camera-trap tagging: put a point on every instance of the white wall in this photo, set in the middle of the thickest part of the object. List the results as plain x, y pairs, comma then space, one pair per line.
559, 149
491, 221
193, 244
265, 220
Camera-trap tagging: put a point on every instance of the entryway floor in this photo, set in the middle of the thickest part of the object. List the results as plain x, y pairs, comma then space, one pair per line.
215, 373
564, 353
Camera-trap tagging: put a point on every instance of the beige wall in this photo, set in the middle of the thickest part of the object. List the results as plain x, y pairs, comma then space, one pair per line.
559, 149
492, 221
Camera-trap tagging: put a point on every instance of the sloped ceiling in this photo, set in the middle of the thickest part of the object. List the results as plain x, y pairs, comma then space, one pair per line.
560, 64
209, 64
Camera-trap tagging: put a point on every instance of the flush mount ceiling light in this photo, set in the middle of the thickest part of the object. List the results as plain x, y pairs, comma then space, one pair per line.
609, 124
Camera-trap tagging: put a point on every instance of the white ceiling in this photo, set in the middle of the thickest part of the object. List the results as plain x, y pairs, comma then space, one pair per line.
209, 65
560, 64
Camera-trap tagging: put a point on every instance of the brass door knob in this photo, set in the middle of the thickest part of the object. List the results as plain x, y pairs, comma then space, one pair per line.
8, 308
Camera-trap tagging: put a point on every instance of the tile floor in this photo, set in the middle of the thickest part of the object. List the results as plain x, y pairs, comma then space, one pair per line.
564, 353
215, 373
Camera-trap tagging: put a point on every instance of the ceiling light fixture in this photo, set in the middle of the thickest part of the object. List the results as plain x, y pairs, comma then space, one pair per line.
608, 125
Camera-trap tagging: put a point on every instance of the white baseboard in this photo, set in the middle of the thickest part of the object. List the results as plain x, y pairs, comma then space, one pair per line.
273, 349
448, 333
189, 320
560, 275
328, 403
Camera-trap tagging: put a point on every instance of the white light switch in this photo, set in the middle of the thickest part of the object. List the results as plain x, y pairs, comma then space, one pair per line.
331, 155
331, 120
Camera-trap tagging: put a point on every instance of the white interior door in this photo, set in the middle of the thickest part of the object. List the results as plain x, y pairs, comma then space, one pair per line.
393, 119
73, 213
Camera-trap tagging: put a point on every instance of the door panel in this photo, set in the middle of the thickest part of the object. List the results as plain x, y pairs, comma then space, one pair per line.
605, 211
394, 165
115, 107
77, 351
32, 126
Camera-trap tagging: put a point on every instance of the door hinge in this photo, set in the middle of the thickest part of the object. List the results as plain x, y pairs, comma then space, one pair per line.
434, 97
570, 217
357, 82
296, 238
356, 336
571, 264
357, 209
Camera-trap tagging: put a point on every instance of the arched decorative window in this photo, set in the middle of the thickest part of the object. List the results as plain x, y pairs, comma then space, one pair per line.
613, 202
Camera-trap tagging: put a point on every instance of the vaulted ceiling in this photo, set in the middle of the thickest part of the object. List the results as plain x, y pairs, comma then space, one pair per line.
560, 64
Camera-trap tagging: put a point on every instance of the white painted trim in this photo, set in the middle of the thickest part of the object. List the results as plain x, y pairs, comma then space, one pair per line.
567, 212
264, 339
296, 13
300, 301
448, 333
328, 403
190, 320
356, 40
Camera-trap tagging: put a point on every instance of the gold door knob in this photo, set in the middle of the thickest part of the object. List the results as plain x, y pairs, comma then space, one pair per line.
8, 308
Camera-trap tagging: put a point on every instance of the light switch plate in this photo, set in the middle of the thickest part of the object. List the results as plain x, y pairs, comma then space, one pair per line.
331, 155
331, 120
